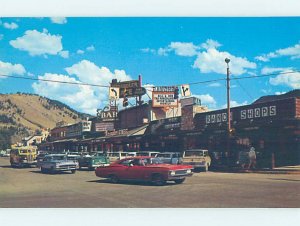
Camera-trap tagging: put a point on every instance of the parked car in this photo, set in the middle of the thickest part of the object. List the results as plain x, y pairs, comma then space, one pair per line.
114, 156
198, 158
5, 153
170, 157
41, 156
146, 169
23, 156
147, 153
57, 162
93, 161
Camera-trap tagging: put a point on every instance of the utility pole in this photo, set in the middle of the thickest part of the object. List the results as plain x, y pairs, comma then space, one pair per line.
227, 60
228, 97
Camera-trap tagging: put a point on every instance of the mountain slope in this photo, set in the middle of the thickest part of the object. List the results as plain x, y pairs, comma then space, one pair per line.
25, 114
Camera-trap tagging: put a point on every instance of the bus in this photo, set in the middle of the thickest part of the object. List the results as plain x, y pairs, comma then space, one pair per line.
23, 156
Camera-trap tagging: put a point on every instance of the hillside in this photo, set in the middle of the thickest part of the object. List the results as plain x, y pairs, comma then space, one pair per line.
25, 114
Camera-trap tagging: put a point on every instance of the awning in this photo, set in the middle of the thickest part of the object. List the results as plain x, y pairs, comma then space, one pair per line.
65, 140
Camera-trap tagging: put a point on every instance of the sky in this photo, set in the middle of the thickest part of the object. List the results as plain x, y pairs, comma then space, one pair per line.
166, 51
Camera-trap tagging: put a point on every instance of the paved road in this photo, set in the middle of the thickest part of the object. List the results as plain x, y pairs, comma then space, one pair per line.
29, 188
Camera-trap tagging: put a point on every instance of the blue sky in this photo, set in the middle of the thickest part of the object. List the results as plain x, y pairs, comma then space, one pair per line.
165, 51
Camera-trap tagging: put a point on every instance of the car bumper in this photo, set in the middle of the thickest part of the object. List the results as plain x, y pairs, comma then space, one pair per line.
176, 177
65, 168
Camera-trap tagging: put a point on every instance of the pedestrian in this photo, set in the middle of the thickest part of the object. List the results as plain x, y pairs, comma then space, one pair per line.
252, 158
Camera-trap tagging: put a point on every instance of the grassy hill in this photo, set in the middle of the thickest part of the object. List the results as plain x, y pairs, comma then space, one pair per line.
22, 115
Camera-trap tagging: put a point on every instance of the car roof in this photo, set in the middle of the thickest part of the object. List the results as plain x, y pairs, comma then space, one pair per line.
196, 150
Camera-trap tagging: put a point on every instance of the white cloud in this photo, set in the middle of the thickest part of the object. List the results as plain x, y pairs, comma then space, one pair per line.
213, 61
11, 69
90, 48
293, 52
30, 74
279, 93
209, 59
163, 51
148, 50
64, 54
38, 43
207, 99
291, 80
184, 48
234, 103
10, 26
80, 51
82, 98
270, 70
215, 84
58, 20
210, 44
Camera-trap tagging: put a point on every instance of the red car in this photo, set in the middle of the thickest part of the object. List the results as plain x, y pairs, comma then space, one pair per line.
144, 168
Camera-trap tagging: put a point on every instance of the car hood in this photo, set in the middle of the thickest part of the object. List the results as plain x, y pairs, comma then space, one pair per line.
171, 167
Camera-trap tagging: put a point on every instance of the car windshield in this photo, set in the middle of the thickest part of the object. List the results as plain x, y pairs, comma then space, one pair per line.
193, 153
59, 157
163, 155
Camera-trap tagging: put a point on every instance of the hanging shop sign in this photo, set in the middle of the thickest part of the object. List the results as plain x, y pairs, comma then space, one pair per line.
114, 93
129, 88
86, 126
185, 90
164, 96
108, 113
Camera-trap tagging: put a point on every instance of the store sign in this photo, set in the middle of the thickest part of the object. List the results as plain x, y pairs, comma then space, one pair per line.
118, 132
104, 126
129, 88
243, 114
163, 99
108, 113
163, 96
86, 126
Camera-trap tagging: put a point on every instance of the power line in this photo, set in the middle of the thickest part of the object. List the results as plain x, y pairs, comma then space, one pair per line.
106, 86
56, 81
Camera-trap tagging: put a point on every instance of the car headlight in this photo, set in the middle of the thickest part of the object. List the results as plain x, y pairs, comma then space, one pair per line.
172, 173
189, 171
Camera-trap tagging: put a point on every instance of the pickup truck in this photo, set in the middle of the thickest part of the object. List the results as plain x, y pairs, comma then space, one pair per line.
198, 158
170, 157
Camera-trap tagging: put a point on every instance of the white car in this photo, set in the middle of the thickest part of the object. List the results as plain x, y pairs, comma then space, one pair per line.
56, 163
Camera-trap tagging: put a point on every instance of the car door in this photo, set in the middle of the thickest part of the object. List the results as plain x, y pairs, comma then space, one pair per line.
136, 170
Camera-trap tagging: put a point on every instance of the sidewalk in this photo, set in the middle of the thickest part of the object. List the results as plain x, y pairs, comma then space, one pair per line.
277, 170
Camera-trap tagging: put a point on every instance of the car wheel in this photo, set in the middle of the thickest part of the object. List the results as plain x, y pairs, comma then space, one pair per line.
52, 171
43, 170
73, 171
179, 181
158, 180
114, 179
206, 167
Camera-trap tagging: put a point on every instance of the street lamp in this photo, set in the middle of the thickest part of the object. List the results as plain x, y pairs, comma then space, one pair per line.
227, 60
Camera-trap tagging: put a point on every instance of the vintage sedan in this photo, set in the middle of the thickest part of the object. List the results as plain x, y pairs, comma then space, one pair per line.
144, 168
56, 163
93, 161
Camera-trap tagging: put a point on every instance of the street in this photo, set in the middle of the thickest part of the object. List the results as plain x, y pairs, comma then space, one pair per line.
27, 187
